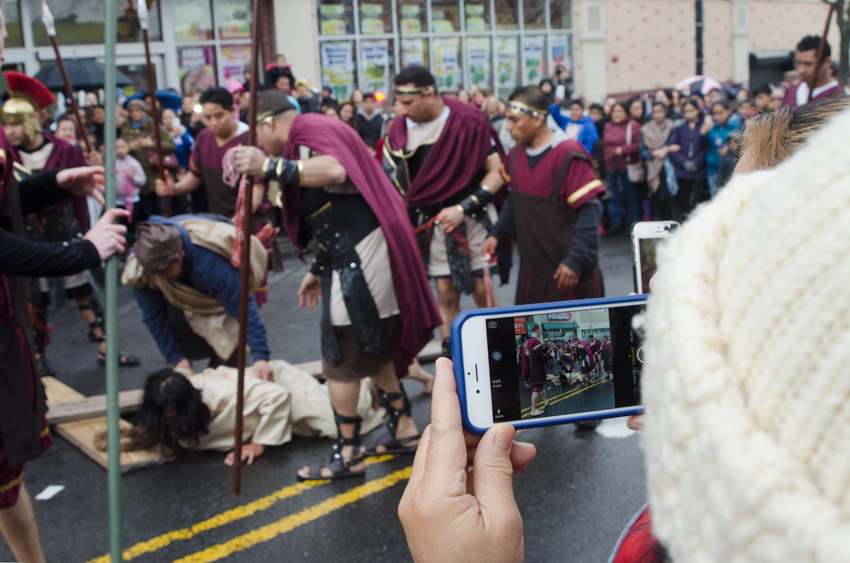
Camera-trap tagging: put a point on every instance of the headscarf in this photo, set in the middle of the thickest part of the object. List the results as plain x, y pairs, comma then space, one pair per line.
157, 246
655, 136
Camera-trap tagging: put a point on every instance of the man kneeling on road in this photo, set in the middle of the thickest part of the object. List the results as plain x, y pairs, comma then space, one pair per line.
188, 291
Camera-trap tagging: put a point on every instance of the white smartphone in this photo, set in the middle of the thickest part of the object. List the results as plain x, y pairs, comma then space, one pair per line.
646, 236
560, 91
553, 363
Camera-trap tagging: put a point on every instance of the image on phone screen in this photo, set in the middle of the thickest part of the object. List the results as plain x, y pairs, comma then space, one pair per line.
564, 362
648, 264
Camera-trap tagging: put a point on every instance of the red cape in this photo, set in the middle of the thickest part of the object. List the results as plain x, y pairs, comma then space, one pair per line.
332, 137
65, 155
467, 138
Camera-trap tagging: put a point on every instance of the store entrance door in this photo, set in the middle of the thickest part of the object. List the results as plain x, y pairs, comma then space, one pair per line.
136, 70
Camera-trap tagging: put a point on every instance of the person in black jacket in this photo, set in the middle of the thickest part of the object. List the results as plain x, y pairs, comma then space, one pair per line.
371, 122
308, 100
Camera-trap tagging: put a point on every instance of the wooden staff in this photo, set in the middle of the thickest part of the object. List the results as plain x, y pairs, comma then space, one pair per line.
144, 23
47, 20
245, 265
821, 52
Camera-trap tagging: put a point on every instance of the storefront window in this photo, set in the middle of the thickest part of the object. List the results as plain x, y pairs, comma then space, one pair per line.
506, 15
444, 16
414, 52
534, 14
507, 71
377, 64
335, 17
411, 16
447, 63
477, 15
234, 60
561, 55
479, 61
197, 68
234, 18
76, 26
375, 17
14, 36
534, 56
338, 67
192, 20
560, 16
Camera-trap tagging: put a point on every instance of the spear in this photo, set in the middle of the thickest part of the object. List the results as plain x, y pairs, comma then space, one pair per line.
47, 20
245, 263
821, 52
144, 23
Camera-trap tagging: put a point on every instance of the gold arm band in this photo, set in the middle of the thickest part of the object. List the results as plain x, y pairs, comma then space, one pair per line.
300, 172
459, 208
266, 163
279, 168
583, 191
486, 187
475, 199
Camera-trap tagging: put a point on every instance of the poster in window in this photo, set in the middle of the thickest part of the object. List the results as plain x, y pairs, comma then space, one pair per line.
478, 53
338, 68
414, 52
371, 18
447, 63
439, 23
332, 19
475, 18
533, 54
508, 62
559, 46
411, 18
375, 65
235, 59
197, 68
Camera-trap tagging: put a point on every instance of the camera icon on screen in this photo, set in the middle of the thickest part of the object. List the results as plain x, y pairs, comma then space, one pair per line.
491, 324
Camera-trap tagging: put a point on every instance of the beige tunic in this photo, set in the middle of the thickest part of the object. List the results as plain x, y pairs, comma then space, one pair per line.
295, 402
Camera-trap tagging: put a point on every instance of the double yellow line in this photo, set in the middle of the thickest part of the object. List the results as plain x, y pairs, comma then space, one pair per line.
265, 533
566, 395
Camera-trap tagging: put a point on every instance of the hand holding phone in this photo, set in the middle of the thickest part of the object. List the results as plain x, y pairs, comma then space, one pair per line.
441, 507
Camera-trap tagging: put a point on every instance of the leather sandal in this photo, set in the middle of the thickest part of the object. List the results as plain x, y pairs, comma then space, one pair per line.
391, 443
339, 466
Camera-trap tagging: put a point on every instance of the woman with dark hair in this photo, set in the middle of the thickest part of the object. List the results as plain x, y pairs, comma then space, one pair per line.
346, 113
197, 411
688, 150
637, 112
549, 90
621, 146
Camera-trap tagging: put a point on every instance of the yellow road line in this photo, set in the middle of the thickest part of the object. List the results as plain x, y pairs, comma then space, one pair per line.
293, 521
566, 395
224, 518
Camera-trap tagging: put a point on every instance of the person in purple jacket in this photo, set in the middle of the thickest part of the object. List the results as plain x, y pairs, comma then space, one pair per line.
688, 150
622, 144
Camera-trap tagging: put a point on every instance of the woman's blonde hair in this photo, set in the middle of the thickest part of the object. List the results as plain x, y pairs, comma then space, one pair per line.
776, 136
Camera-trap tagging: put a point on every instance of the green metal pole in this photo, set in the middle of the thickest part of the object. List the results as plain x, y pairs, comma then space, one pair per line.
112, 411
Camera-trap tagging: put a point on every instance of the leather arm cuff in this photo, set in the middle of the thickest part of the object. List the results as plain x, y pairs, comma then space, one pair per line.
478, 199
286, 171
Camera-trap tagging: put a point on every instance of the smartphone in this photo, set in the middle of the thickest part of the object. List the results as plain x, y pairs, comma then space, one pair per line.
560, 91
549, 363
645, 238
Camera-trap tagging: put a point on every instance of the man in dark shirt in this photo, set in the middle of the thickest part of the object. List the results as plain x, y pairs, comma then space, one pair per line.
371, 122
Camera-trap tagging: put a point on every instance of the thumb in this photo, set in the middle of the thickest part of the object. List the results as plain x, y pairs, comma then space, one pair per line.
493, 471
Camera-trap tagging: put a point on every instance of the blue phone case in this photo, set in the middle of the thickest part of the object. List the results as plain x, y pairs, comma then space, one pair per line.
457, 354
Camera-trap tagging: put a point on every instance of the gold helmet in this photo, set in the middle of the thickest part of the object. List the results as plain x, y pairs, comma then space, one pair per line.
27, 97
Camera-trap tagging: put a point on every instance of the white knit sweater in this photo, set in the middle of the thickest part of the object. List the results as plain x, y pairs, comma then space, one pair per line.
747, 381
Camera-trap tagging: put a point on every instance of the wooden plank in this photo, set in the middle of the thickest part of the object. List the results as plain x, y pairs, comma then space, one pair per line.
58, 392
82, 434
92, 407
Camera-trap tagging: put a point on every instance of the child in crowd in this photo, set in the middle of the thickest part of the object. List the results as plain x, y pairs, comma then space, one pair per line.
129, 178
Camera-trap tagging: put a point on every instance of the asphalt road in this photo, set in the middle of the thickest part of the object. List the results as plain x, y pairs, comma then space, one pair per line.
575, 497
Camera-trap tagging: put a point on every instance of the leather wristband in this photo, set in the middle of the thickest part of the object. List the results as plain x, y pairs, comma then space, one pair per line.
475, 201
287, 171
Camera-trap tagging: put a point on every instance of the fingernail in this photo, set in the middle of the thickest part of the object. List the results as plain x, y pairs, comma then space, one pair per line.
504, 437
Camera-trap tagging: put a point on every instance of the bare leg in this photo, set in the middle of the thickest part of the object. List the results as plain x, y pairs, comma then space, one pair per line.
416, 372
449, 302
389, 383
20, 529
344, 397
479, 294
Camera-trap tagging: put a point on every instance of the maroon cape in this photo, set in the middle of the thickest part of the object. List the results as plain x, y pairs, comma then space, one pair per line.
65, 155
332, 137
791, 95
8, 156
466, 138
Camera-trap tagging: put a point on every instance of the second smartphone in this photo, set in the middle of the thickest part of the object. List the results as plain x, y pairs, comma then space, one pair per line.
646, 236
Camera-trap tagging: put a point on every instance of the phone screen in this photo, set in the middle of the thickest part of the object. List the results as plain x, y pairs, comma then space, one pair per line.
581, 360
648, 261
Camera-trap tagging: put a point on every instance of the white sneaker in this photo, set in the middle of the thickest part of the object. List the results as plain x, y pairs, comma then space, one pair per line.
535, 412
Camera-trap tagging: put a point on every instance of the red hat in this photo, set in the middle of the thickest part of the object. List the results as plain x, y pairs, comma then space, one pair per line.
30, 89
